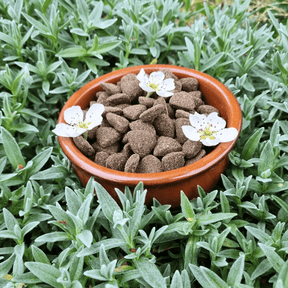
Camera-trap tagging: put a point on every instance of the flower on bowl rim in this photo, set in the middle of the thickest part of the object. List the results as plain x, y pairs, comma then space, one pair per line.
210, 130
156, 83
74, 117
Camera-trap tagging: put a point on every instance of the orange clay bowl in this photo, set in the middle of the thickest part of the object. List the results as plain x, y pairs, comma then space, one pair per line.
164, 186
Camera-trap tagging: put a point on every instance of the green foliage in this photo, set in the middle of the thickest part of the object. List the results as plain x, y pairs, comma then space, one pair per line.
55, 233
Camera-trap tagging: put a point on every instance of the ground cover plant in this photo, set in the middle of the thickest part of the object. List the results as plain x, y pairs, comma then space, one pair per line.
55, 233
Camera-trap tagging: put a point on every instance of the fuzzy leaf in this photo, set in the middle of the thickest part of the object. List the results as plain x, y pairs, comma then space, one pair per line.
252, 144
47, 273
212, 218
266, 158
262, 268
150, 273
95, 248
53, 237
72, 52
108, 204
86, 237
176, 280
12, 149
187, 208
39, 255
276, 261
6, 265
236, 272
50, 173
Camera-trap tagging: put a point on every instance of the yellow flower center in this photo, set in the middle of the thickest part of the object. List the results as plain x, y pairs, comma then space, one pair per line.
84, 125
207, 133
153, 86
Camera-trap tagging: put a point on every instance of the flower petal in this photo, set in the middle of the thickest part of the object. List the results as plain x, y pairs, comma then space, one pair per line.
164, 93
209, 142
65, 130
94, 112
73, 115
145, 88
157, 76
95, 122
196, 120
141, 75
191, 132
226, 135
217, 122
168, 84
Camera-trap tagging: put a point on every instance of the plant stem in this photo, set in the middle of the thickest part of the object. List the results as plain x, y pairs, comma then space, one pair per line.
85, 135
149, 94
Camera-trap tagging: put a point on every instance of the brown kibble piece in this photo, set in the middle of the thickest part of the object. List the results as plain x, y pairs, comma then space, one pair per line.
116, 161
117, 99
120, 123
127, 150
153, 112
125, 139
173, 161
148, 102
104, 123
132, 163
178, 87
196, 94
199, 156
181, 138
183, 100
91, 134
133, 112
102, 97
130, 86
84, 146
99, 93
122, 106
111, 88
207, 109
160, 100
141, 142
181, 114
164, 125
110, 149
149, 164
110, 109
141, 125
198, 101
166, 145
191, 148
170, 110
169, 74
189, 84
101, 157
107, 136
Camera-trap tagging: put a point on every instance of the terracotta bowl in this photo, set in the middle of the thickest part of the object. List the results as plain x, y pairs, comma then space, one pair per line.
164, 186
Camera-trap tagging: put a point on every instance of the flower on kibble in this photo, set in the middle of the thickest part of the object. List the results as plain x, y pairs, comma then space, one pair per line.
76, 126
156, 83
210, 130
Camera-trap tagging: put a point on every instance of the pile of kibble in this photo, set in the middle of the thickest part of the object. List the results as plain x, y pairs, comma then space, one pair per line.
144, 135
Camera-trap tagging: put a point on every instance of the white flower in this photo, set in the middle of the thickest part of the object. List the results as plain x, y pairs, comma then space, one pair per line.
209, 129
76, 126
156, 83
